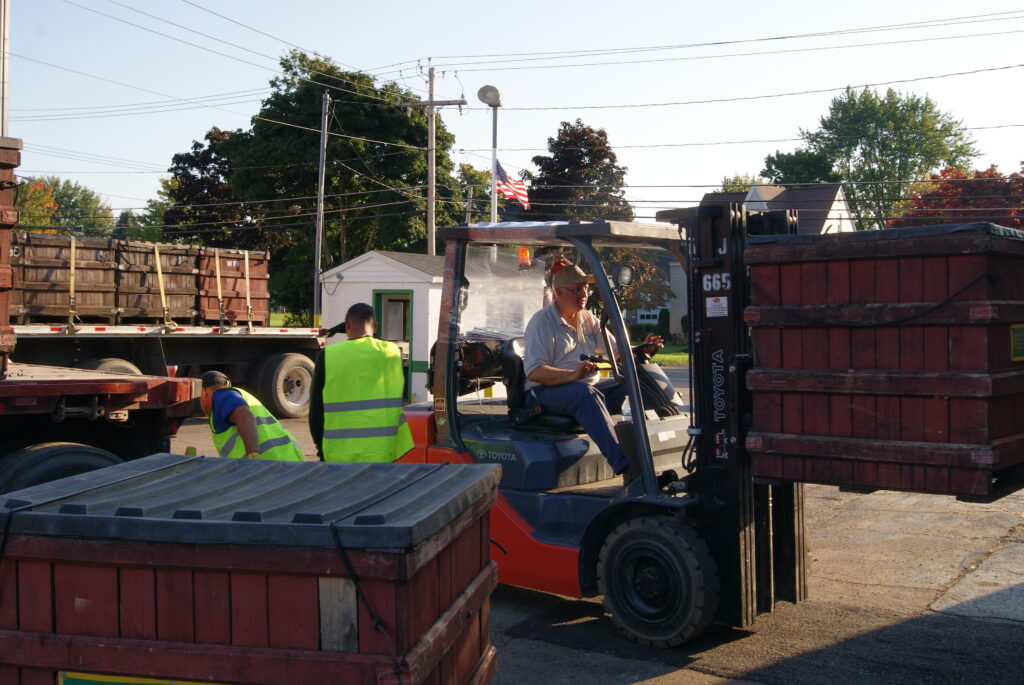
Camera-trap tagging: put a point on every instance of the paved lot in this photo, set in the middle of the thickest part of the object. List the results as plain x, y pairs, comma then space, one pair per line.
904, 589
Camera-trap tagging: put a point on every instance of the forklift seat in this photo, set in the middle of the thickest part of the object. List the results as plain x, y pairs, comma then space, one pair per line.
522, 415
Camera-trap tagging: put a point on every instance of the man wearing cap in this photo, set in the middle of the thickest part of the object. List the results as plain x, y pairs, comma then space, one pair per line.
557, 380
241, 426
355, 410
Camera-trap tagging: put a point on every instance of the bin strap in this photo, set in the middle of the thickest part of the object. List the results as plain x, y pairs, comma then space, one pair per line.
378, 624
220, 294
169, 324
248, 294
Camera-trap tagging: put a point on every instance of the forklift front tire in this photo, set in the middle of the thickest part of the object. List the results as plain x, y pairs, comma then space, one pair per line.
659, 581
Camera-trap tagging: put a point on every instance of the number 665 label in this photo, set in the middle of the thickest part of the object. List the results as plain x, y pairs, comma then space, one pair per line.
714, 283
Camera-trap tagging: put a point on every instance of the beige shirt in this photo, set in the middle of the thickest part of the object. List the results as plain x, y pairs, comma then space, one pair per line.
550, 340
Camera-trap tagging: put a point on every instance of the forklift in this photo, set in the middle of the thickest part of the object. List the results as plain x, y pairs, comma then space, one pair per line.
692, 540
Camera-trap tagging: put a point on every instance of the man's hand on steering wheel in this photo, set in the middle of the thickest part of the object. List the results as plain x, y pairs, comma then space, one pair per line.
650, 346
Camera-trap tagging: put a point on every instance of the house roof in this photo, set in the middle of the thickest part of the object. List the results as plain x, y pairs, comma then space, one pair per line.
813, 202
432, 265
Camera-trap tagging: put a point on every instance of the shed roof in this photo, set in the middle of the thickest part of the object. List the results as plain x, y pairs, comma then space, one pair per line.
427, 263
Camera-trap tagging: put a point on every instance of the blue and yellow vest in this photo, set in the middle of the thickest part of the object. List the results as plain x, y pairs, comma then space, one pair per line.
275, 442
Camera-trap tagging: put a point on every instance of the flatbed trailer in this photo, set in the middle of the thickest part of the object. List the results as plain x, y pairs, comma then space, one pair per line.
57, 422
275, 363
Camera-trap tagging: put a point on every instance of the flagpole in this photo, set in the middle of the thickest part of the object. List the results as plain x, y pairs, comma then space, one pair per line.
490, 96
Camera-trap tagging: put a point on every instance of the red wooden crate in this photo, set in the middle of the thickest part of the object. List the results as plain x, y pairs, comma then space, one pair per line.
107, 570
233, 286
889, 359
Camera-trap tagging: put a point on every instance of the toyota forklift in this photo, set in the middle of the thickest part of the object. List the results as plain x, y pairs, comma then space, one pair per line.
693, 539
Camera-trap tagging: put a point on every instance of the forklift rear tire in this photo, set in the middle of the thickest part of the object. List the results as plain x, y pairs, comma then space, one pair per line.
659, 581
48, 461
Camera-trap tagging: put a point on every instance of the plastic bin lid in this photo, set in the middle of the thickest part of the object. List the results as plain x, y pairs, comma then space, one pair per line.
202, 500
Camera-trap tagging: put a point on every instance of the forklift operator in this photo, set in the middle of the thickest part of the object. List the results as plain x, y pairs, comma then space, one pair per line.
558, 381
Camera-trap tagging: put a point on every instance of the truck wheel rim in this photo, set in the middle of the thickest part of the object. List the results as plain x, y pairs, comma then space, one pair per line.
296, 386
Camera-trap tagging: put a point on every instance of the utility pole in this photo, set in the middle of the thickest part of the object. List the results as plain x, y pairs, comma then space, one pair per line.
318, 240
430, 104
5, 44
469, 204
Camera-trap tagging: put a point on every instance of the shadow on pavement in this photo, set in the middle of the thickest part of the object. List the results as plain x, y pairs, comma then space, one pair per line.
815, 642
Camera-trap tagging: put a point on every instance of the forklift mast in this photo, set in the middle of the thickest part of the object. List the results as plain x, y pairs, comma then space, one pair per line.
755, 530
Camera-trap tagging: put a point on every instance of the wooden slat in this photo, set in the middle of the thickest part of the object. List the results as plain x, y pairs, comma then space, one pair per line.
137, 602
249, 612
293, 611
8, 593
35, 596
339, 616
211, 590
175, 615
85, 599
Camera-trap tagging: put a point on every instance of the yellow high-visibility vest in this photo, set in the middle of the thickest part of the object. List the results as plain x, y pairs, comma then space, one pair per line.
275, 442
363, 418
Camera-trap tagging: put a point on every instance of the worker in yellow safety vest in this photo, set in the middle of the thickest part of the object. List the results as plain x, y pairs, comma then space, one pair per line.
355, 411
241, 426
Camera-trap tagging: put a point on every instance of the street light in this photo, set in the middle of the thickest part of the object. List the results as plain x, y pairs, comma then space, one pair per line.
490, 96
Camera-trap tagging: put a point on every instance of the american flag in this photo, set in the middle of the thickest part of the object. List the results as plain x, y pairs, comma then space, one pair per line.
512, 189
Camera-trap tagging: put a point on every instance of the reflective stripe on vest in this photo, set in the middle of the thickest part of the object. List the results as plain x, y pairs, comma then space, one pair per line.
363, 418
275, 442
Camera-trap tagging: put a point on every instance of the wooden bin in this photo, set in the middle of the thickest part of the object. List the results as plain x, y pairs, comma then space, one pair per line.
227, 571
10, 158
233, 286
889, 359
138, 285
42, 272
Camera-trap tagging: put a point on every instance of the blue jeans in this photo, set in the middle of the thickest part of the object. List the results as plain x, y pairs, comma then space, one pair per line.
592, 406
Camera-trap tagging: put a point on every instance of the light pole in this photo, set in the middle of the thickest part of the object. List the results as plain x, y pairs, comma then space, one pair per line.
490, 96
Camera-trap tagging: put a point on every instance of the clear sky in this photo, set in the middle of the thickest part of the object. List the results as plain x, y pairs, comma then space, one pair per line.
616, 71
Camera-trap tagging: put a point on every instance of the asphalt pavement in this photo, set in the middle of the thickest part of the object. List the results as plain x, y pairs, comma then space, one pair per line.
904, 588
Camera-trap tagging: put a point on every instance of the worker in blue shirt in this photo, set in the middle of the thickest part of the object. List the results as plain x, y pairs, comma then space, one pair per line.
241, 426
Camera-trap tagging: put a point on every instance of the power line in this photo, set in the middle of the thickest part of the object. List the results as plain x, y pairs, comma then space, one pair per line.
737, 54
132, 105
767, 96
257, 117
211, 50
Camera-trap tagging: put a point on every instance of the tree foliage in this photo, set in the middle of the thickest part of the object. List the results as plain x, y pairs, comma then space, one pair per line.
259, 185
581, 178
36, 204
877, 144
79, 207
955, 196
741, 183
52, 204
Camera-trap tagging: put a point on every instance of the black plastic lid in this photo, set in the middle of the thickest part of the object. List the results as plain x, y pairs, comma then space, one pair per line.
178, 499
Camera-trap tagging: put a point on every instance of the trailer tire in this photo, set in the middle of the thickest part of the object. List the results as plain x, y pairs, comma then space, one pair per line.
49, 461
110, 365
283, 383
659, 581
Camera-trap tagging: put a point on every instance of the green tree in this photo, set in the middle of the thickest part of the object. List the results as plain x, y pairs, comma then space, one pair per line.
478, 183
580, 179
877, 144
740, 183
35, 203
376, 173
79, 207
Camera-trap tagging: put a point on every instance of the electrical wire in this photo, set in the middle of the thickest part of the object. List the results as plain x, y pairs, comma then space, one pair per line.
211, 50
745, 98
256, 117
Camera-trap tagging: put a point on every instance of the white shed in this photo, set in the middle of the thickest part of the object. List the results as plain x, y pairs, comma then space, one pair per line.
404, 290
